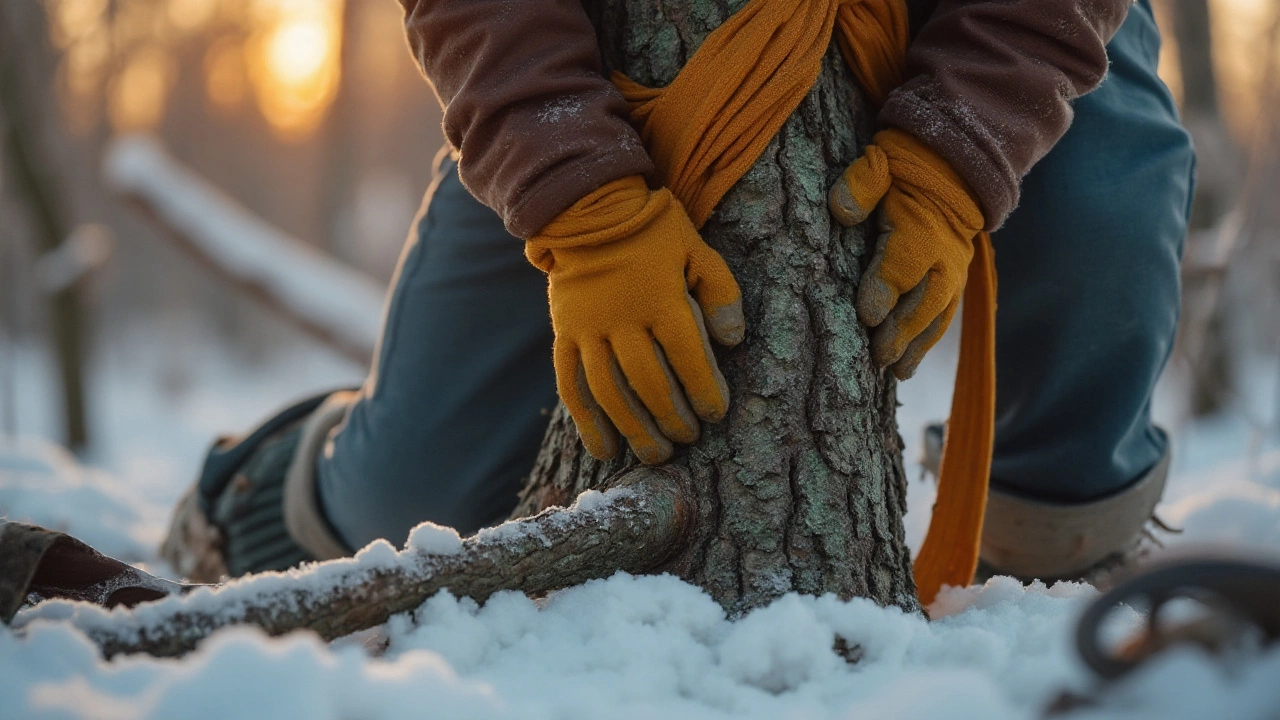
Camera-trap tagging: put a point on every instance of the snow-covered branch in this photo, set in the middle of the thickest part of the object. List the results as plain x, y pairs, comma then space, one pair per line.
330, 300
632, 528
80, 255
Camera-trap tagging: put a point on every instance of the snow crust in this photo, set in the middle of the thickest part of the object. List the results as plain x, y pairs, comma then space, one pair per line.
437, 539
596, 500
291, 588
588, 502
638, 647
625, 647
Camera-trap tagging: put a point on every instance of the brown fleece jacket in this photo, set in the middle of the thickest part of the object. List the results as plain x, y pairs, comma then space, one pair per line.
991, 83
526, 103
537, 125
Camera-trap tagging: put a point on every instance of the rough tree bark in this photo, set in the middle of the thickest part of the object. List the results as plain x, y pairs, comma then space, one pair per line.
801, 486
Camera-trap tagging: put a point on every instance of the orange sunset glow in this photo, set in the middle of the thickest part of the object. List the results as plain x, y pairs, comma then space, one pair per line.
285, 56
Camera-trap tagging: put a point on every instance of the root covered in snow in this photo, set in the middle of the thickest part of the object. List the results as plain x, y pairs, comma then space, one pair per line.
633, 527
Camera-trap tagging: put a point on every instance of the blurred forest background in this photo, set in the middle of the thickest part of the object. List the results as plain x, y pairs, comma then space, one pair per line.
312, 115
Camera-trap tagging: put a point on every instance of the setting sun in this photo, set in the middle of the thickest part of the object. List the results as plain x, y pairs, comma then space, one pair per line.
296, 51
294, 62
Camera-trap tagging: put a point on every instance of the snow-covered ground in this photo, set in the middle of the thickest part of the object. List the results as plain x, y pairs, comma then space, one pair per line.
642, 647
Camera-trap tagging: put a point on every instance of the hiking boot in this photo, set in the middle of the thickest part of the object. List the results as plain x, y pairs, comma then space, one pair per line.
253, 507
1032, 539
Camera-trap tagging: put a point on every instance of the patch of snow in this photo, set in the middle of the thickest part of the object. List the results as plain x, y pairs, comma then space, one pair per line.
435, 539
512, 531
639, 647
593, 500
55, 673
587, 503
42, 483
1234, 513
623, 647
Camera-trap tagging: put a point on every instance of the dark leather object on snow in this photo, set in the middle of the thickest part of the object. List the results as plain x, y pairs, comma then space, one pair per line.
37, 564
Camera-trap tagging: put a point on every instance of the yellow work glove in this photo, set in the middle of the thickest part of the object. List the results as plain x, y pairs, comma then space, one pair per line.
928, 220
634, 293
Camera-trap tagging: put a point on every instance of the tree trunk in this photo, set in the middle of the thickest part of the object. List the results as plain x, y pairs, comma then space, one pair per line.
1217, 185
30, 129
340, 145
801, 486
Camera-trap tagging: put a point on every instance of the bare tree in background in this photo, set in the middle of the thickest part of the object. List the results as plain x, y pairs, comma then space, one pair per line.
1219, 158
1254, 240
1234, 221
39, 177
340, 146
1203, 339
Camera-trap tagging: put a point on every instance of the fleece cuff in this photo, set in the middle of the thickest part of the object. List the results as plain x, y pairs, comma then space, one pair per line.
303, 516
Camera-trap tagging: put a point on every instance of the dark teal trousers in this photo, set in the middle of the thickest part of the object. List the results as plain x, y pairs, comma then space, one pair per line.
455, 407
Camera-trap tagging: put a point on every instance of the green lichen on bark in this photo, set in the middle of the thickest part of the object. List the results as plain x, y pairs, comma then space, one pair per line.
801, 486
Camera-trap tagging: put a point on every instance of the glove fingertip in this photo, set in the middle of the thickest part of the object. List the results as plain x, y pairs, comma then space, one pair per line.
875, 300
906, 368
596, 431
711, 405
654, 454
715, 413
843, 207
886, 347
597, 444
726, 324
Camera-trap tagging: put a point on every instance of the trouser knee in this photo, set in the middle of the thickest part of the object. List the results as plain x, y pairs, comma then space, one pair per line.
1089, 287
451, 417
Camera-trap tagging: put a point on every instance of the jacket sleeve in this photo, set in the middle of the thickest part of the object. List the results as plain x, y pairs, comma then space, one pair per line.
536, 124
990, 85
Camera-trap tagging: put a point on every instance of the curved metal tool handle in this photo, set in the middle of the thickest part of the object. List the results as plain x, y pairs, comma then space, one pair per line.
1239, 594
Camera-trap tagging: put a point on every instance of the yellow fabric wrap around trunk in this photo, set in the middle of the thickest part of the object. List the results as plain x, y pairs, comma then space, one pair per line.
710, 125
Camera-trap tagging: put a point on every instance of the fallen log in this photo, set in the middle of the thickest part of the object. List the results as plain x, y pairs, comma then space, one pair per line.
633, 527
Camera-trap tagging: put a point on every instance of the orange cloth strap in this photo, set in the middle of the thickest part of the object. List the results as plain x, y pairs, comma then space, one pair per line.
873, 38
949, 555
707, 128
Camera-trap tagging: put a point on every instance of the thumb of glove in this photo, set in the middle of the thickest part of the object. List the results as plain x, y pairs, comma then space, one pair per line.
718, 296
861, 187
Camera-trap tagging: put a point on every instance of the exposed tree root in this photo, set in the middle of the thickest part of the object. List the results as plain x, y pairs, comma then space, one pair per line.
633, 528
